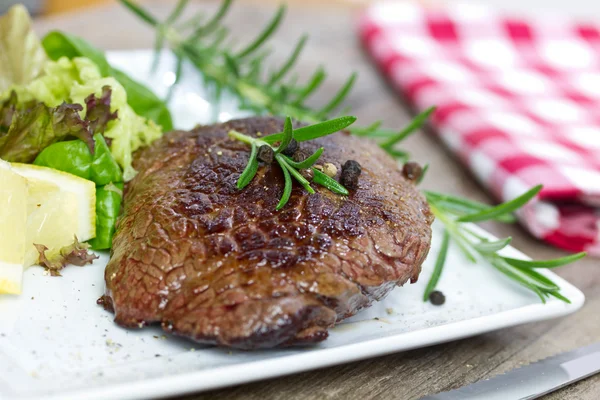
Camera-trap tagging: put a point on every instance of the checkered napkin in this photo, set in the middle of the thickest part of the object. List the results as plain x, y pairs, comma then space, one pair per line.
518, 101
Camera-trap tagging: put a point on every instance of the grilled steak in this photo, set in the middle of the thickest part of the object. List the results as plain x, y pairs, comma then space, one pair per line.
220, 266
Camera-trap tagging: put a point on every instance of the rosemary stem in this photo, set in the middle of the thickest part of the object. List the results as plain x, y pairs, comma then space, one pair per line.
246, 139
241, 137
452, 227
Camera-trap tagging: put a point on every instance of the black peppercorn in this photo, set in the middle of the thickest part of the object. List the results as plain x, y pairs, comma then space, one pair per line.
291, 148
437, 298
412, 171
350, 172
266, 154
300, 155
307, 173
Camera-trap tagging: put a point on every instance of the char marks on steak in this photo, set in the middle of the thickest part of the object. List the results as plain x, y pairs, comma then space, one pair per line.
220, 266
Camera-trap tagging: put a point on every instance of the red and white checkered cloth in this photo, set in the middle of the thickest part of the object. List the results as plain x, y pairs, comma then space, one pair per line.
518, 101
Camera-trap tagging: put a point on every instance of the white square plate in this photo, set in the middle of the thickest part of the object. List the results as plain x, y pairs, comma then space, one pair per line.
56, 343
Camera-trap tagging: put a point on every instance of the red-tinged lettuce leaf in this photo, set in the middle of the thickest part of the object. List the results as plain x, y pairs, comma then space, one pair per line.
67, 122
98, 111
35, 126
28, 128
75, 254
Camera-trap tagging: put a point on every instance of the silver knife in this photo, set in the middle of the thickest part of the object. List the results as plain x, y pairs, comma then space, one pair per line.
534, 380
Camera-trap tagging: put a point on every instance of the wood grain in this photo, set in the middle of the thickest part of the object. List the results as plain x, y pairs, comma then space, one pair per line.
411, 374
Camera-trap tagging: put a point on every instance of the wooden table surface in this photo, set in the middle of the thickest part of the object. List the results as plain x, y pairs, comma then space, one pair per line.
411, 374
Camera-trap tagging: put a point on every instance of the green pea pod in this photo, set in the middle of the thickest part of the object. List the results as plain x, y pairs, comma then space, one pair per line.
75, 158
108, 207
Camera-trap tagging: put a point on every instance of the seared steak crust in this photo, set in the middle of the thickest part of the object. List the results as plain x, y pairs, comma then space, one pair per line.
221, 266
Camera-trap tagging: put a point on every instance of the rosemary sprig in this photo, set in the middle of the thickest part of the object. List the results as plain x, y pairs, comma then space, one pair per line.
202, 41
455, 212
290, 168
241, 71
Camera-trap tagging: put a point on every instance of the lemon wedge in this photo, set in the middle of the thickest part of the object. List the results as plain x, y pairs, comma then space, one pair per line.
57, 206
13, 214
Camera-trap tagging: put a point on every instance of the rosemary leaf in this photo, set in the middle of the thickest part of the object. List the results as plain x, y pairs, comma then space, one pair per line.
311, 132
213, 23
276, 77
463, 244
312, 85
412, 127
287, 137
557, 262
520, 276
323, 180
489, 247
309, 162
232, 65
218, 38
294, 173
399, 155
314, 131
462, 206
505, 208
367, 130
181, 4
140, 12
559, 296
340, 96
264, 35
439, 266
541, 279
250, 170
287, 188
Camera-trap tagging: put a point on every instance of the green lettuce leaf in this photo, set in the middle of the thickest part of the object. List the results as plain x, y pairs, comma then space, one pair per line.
141, 99
22, 56
73, 81
74, 157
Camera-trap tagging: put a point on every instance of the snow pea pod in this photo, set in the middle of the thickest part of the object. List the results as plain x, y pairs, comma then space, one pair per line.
108, 207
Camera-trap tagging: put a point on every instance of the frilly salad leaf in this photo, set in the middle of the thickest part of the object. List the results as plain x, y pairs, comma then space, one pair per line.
35, 126
76, 254
73, 81
22, 56
98, 111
